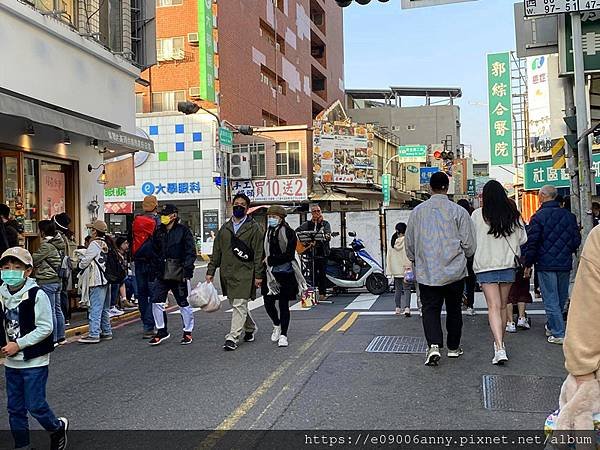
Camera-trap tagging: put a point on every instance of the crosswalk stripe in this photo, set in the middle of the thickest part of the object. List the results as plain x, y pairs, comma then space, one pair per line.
363, 302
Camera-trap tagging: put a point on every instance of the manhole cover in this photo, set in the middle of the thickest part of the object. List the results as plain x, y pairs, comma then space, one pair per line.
521, 393
397, 344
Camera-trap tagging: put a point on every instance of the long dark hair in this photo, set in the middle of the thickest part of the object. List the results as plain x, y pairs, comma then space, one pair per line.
400, 229
499, 212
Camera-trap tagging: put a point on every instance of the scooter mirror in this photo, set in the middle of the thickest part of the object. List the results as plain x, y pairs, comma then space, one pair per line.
335, 234
352, 234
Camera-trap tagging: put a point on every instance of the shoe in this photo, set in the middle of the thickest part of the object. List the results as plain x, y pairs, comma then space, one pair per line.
406, 312
230, 346
56, 344
106, 337
88, 340
276, 333
62, 341
249, 336
433, 356
471, 311
159, 338
148, 334
128, 306
548, 332
115, 312
511, 327
58, 439
523, 323
398, 311
455, 353
499, 355
556, 340
67, 324
283, 341
186, 339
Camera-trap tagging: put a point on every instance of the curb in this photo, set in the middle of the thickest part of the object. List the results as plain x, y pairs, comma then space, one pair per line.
77, 331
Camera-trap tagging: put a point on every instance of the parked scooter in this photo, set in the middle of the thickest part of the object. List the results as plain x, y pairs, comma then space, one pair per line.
354, 268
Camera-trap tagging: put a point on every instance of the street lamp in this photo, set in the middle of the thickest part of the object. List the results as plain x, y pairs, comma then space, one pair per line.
188, 108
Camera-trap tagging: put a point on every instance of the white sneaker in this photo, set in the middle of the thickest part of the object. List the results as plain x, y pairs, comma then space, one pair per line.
556, 340
471, 312
276, 333
115, 312
433, 356
283, 341
548, 332
523, 323
511, 327
500, 356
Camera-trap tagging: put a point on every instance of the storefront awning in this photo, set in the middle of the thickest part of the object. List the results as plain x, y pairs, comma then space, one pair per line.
332, 197
111, 138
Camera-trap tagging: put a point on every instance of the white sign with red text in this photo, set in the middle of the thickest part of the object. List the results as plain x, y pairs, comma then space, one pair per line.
268, 191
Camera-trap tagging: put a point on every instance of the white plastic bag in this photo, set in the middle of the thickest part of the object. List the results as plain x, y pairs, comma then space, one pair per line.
206, 297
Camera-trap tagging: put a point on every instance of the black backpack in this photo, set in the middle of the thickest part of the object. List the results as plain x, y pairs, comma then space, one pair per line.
116, 268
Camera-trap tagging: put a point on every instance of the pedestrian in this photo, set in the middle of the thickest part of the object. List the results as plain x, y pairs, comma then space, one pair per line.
596, 213
9, 234
125, 289
500, 233
284, 279
175, 252
519, 295
62, 222
142, 252
26, 342
321, 247
238, 254
554, 237
439, 239
95, 283
398, 266
47, 263
118, 300
471, 280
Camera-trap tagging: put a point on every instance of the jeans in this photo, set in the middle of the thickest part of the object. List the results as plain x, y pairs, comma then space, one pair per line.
433, 298
26, 392
555, 292
131, 287
64, 304
403, 293
53, 291
114, 294
99, 306
144, 284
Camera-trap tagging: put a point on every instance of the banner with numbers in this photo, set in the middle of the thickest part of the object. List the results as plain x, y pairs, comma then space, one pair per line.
500, 109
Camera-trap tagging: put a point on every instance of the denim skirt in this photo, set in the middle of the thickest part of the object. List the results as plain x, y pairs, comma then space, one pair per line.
497, 276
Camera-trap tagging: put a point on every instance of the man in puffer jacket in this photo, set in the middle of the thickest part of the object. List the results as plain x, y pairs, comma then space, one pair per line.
553, 238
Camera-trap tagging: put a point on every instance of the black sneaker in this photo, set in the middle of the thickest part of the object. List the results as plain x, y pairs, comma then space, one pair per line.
159, 338
230, 346
186, 339
249, 336
58, 439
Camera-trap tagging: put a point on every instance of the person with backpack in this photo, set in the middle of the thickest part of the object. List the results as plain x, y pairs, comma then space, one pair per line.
62, 222
9, 235
94, 264
142, 252
175, 248
46, 263
120, 273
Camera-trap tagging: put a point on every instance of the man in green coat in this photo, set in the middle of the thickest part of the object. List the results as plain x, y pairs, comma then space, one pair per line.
238, 252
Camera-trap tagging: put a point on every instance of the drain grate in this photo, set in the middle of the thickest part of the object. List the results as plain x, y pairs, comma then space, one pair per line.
517, 393
397, 344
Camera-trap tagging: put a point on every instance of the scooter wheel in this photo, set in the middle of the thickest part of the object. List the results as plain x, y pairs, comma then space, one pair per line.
377, 284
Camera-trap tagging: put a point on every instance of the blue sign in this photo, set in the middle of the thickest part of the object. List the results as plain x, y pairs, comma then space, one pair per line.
149, 188
426, 173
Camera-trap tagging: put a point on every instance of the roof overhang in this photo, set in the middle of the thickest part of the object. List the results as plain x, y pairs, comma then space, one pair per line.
399, 91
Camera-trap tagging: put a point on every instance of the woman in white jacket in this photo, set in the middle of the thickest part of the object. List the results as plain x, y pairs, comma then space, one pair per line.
397, 265
500, 232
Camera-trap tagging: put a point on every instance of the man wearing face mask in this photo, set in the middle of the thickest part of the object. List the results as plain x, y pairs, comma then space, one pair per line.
238, 252
174, 265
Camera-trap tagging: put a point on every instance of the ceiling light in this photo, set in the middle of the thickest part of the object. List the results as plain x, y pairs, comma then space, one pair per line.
29, 130
66, 139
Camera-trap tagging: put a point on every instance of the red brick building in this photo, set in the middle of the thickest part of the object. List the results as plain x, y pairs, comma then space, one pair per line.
276, 62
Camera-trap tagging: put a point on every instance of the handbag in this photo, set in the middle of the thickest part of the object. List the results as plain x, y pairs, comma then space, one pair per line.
173, 270
517, 260
283, 268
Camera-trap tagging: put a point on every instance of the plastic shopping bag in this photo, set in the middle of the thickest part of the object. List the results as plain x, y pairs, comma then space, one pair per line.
206, 297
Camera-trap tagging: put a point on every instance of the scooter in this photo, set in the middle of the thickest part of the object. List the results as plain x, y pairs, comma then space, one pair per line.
354, 268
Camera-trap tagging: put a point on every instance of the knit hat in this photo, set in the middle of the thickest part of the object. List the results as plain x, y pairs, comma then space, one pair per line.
277, 210
150, 203
62, 221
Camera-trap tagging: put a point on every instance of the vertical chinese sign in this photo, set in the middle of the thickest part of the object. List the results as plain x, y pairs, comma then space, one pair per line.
500, 107
206, 50
52, 198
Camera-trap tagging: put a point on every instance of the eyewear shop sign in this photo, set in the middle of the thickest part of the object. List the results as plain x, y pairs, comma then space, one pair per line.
541, 173
263, 191
175, 190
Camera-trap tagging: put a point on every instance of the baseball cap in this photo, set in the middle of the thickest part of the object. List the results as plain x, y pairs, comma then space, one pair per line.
18, 253
98, 225
169, 209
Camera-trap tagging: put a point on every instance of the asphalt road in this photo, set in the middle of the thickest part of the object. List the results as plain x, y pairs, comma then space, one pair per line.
324, 380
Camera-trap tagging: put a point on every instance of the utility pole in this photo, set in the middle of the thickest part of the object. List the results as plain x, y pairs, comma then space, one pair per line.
572, 160
582, 124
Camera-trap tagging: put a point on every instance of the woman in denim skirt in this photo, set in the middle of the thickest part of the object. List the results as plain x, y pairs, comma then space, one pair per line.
500, 232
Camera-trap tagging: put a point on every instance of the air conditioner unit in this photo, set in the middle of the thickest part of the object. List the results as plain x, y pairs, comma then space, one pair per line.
164, 56
193, 39
178, 54
194, 92
239, 167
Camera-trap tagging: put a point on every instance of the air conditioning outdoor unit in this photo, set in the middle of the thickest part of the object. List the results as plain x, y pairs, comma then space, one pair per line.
193, 39
194, 92
240, 167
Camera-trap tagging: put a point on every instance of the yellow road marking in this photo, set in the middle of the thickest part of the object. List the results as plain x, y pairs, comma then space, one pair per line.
329, 325
353, 317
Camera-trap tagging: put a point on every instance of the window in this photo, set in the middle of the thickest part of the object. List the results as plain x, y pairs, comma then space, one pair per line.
168, 2
257, 157
139, 102
170, 49
167, 101
288, 158
411, 127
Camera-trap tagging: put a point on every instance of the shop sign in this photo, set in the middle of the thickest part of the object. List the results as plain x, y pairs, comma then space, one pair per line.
386, 179
500, 109
130, 141
118, 208
541, 173
281, 190
206, 46
413, 178
170, 188
425, 173
115, 192
471, 187
120, 173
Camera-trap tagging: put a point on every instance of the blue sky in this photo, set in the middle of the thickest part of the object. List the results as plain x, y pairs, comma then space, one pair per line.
437, 46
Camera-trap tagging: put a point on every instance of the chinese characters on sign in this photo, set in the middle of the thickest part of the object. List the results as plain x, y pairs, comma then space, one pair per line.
541, 173
172, 188
412, 153
53, 193
549, 7
500, 109
281, 190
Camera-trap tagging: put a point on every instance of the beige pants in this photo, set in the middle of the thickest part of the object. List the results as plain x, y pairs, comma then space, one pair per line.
241, 320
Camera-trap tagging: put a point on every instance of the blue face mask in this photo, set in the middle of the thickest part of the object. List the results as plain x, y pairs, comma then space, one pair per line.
13, 277
273, 222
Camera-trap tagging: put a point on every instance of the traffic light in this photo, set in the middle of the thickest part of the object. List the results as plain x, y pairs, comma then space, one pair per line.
344, 3
571, 138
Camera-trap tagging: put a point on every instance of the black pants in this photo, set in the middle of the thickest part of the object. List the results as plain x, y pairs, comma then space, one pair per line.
288, 290
321, 274
433, 298
471, 282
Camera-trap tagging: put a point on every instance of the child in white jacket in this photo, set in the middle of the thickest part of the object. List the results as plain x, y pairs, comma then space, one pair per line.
399, 267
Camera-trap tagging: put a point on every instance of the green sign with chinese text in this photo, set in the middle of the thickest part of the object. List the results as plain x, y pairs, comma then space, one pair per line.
412, 153
385, 188
500, 109
541, 173
206, 50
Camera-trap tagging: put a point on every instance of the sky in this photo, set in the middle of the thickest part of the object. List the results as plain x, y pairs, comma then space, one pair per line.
442, 46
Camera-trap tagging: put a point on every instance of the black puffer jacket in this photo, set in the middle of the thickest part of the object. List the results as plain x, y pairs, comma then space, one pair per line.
177, 243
